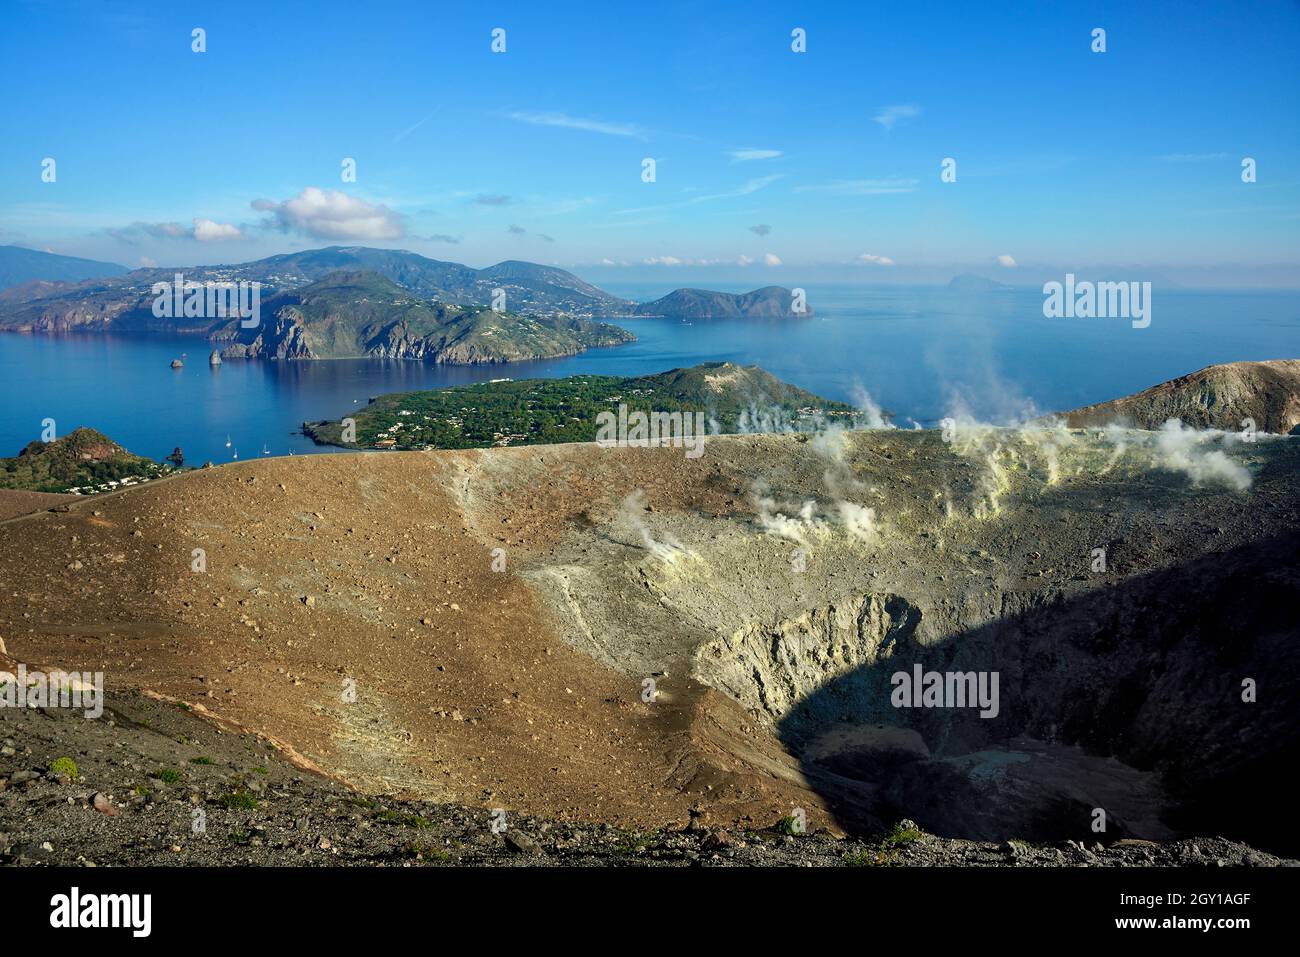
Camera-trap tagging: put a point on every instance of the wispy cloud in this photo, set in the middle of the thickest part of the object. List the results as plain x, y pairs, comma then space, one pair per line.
762, 229
861, 187
872, 259
492, 199
564, 121
747, 188
415, 126
1007, 261
1191, 157
748, 155
890, 115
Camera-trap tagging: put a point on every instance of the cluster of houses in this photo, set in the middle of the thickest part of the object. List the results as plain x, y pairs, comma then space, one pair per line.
109, 486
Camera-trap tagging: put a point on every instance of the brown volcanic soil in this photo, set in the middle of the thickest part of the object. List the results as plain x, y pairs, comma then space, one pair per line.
485, 704
15, 502
522, 688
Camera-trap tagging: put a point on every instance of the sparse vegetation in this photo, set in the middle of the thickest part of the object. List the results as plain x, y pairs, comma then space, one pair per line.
239, 800
886, 852
428, 853
167, 776
635, 842
64, 767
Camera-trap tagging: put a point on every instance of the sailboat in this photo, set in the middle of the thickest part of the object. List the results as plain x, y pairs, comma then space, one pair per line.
227, 440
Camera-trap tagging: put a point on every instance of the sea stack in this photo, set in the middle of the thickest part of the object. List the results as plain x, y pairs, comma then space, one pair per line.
177, 364
215, 358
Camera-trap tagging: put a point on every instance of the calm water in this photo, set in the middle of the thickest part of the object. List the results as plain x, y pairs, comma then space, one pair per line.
918, 351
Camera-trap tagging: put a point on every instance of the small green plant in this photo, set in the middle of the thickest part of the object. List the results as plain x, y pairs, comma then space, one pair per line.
899, 835
64, 767
167, 776
420, 851
634, 842
239, 801
140, 791
201, 759
869, 857
396, 817
789, 825
260, 770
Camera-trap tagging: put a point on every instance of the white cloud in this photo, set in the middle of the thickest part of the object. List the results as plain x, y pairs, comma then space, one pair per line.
203, 230
565, 121
330, 214
1007, 261
744, 260
876, 260
890, 115
662, 261
147, 263
747, 155
861, 187
771, 259
208, 231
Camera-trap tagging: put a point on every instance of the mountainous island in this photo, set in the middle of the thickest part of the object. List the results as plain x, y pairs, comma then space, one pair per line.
770, 302
546, 411
353, 314
357, 301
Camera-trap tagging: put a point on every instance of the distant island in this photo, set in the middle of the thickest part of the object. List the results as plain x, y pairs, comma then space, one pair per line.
356, 314
18, 265
770, 302
969, 282
549, 411
357, 301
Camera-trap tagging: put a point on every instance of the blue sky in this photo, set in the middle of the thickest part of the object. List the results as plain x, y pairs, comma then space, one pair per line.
769, 162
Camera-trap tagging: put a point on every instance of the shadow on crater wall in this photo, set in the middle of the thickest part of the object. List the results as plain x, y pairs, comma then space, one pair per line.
1128, 698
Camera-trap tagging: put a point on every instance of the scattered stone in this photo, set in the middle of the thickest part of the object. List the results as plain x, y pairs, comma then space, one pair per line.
103, 805
521, 843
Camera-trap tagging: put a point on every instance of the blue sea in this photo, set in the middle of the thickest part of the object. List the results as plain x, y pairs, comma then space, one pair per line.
919, 352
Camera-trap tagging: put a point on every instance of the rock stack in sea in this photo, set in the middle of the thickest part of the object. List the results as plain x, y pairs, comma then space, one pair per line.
215, 358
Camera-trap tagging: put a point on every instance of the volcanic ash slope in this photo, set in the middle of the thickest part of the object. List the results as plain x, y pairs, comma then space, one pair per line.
630, 635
